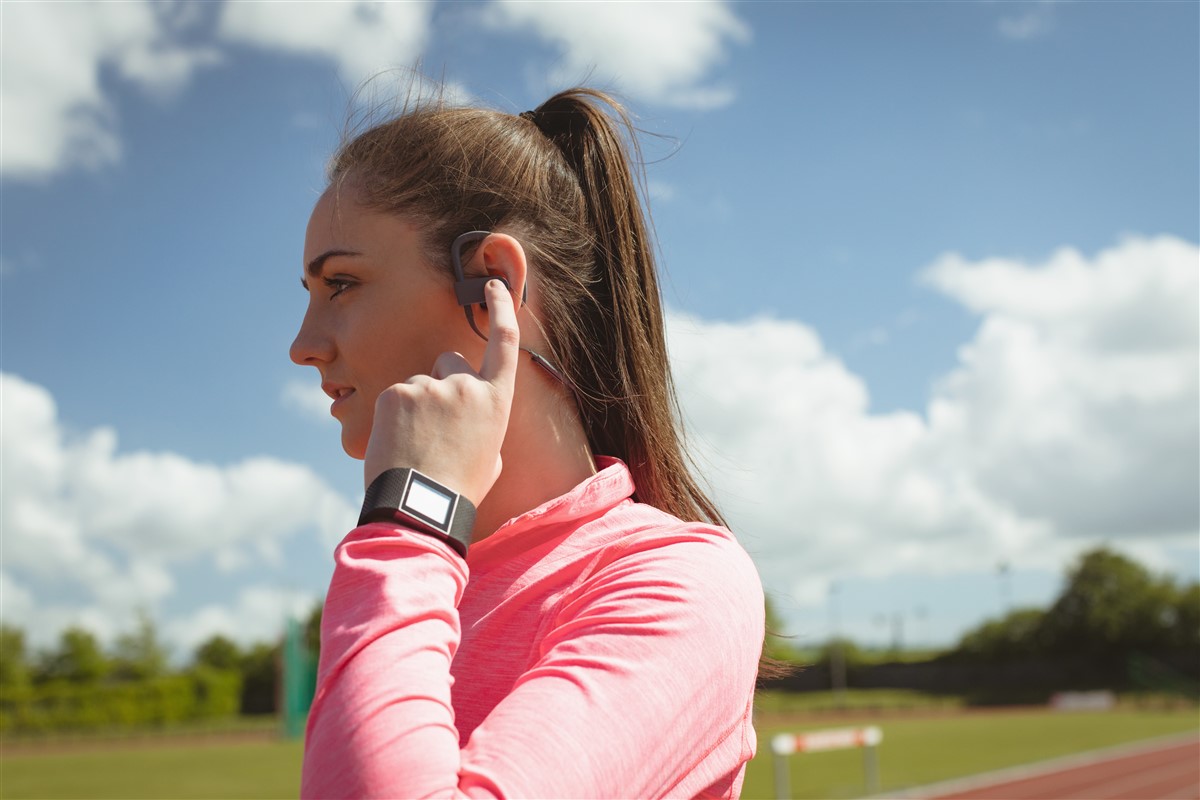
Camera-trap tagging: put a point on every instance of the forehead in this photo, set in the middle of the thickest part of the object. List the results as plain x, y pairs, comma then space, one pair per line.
340, 221
335, 212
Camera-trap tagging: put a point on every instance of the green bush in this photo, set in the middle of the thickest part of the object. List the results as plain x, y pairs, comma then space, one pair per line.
202, 694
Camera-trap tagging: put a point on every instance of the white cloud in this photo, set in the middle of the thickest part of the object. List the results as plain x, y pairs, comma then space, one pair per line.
308, 400
257, 615
661, 191
16, 602
659, 52
360, 38
1071, 419
876, 336
814, 484
306, 120
664, 53
1077, 400
58, 50
114, 526
1033, 20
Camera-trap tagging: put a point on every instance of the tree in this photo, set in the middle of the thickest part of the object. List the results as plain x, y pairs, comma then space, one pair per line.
1017, 635
1111, 605
14, 664
312, 629
1187, 618
219, 653
78, 659
840, 647
260, 679
139, 655
1110, 608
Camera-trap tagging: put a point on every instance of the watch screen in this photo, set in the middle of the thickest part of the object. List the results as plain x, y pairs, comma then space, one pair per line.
430, 502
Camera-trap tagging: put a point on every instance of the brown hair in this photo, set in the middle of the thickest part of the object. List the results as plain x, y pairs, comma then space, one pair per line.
558, 179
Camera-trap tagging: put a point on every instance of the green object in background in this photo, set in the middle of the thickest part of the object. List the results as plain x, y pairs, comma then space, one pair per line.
1150, 674
914, 752
235, 771
299, 680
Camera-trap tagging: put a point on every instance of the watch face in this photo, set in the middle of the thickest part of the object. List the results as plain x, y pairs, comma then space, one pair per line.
429, 501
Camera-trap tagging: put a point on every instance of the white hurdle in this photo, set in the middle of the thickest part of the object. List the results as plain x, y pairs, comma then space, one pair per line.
785, 744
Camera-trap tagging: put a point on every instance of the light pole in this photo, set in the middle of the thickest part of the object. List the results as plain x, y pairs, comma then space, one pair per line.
894, 621
1004, 576
920, 614
837, 657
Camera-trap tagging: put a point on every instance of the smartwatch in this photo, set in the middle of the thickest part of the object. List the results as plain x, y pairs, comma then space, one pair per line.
417, 501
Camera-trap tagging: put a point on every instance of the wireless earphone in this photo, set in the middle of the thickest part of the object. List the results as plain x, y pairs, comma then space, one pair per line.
470, 292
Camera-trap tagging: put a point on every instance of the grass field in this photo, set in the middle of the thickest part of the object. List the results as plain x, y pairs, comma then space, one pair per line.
924, 750
243, 770
914, 751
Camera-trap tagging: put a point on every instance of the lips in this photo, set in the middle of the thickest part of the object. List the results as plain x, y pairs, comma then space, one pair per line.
338, 392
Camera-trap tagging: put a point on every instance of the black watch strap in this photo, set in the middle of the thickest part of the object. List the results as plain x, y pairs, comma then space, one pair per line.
417, 501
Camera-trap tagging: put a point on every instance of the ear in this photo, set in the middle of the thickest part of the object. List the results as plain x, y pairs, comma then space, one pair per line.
501, 255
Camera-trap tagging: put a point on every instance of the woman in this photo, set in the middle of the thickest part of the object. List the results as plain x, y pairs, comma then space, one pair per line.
593, 630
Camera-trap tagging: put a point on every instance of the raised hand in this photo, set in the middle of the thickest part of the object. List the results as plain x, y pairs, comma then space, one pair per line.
450, 424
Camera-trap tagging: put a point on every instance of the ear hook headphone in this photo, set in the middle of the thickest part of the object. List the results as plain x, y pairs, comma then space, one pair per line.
470, 291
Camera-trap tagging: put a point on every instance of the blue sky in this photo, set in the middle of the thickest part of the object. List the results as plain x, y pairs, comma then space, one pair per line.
931, 270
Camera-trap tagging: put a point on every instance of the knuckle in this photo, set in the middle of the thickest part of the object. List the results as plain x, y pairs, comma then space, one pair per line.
401, 396
508, 335
390, 398
461, 389
392, 393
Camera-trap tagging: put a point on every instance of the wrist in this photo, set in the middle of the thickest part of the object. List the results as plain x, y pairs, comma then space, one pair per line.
408, 497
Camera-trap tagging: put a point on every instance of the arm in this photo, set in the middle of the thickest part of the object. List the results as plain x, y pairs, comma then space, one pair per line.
648, 668
381, 723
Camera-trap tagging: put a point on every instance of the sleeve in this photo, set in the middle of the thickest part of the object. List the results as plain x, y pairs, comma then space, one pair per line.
647, 668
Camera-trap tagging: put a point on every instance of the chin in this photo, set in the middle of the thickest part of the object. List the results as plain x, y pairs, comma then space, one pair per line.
355, 446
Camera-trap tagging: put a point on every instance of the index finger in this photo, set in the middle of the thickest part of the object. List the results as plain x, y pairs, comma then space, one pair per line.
504, 337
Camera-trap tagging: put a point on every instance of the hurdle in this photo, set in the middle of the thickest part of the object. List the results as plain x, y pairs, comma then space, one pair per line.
785, 744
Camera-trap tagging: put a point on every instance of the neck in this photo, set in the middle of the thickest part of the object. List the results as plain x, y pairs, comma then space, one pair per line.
545, 452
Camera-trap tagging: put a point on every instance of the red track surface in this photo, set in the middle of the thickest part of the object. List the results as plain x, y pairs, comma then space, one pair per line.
1166, 772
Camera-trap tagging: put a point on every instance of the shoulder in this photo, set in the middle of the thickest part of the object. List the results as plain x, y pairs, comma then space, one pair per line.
654, 538
695, 569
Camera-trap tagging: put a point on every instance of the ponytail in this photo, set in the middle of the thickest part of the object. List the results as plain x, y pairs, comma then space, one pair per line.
628, 401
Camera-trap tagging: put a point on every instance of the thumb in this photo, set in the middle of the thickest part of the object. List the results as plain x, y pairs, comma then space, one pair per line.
448, 364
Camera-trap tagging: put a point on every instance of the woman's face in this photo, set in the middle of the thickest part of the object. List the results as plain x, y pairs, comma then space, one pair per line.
377, 314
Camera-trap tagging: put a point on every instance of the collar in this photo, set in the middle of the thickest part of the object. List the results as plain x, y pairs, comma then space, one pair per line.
610, 486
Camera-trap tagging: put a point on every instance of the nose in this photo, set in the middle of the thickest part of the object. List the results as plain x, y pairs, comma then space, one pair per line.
312, 345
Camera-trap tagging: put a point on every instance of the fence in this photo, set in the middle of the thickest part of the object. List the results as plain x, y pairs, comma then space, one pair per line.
784, 745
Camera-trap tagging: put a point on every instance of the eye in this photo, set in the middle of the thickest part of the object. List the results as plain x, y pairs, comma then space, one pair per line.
338, 285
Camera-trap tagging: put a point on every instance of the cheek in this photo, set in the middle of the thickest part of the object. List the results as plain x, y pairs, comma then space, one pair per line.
410, 346
403, 337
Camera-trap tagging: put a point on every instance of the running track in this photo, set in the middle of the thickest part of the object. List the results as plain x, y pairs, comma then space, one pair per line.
1160, 771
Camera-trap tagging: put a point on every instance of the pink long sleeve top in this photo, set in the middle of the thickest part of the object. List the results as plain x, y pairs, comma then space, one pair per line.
592, 647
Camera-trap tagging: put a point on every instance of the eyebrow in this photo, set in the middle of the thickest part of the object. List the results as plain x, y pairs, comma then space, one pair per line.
317, 264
